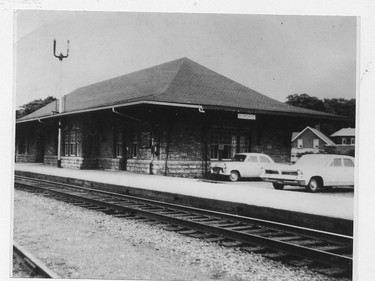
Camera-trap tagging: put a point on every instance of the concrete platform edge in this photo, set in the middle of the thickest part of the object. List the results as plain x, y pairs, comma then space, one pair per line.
337, 225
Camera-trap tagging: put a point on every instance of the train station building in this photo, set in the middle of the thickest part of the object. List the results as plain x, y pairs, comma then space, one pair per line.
172, 119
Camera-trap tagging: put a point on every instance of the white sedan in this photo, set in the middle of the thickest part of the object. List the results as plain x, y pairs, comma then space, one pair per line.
313, 171
246, 165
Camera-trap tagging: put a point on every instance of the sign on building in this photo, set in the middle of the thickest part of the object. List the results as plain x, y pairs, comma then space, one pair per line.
246, 116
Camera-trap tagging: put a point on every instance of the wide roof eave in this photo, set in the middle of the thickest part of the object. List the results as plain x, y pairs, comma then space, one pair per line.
184, 105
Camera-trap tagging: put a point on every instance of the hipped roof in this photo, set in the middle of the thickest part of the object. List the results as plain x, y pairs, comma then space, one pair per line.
344, 132
181, 81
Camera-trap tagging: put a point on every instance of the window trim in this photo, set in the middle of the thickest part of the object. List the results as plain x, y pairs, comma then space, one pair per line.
223, 144
299, 143
315, 143
118, 143
134, 146
70, 145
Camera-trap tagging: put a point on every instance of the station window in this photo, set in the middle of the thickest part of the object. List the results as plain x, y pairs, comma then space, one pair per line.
244, 144
71, 141
118, 144
343, 141
352, 141
223, 145
134, 146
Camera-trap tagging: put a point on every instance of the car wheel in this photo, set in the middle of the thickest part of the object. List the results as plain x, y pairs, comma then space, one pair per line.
278, 186
234, 176
314, 185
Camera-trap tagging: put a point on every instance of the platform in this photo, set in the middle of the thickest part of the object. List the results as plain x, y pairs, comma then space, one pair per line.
250, 198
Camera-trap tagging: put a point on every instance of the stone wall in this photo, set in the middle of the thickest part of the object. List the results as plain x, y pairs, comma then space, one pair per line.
186, 169
274, 141
109, 163
50, 160
140, 166
176, 141
78, 162
25, 158
190, 169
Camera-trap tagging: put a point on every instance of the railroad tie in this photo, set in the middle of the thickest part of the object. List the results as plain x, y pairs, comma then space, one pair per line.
277, 255
253, 249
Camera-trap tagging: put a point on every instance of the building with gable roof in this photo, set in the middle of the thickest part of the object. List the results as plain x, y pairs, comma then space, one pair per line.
344, 136
345, 141
309, 140
172, 119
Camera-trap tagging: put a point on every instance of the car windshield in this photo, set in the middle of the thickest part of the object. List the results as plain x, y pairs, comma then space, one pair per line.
239, 158
312, 160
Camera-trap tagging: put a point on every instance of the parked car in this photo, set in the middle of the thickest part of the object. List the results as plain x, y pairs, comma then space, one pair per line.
313, 171
246, 165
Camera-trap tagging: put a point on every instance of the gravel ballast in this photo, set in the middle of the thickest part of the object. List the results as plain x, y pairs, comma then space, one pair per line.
78, 243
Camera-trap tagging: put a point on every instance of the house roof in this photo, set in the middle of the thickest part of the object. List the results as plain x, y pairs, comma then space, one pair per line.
294, 134
318, 133
182, 82
344, 132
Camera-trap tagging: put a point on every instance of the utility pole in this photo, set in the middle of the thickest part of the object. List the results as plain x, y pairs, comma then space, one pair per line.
60, 57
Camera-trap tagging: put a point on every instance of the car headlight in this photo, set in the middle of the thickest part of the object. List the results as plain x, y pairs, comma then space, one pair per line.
299, 173
224, 167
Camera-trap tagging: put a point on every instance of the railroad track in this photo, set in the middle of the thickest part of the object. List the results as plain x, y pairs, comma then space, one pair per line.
325, 252
34, 266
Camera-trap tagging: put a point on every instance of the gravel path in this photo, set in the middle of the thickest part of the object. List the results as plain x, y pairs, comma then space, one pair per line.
79, 243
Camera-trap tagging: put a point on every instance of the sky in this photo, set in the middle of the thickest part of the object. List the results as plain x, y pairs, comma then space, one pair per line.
275, 55
312, 54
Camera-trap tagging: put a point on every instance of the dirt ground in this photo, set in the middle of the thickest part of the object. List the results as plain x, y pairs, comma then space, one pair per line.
79, 243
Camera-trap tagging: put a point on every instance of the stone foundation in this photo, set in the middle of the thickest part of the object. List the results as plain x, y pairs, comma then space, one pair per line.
78, 163
187, 169
138, 166
109, 163
26, 158
50, 160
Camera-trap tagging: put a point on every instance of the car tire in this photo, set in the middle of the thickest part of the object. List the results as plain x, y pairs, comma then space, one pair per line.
278, 186
314, 185
234, 176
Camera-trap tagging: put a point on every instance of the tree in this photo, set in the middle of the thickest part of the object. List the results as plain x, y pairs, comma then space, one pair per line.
342, 107
304, 100
33, 106
338, 106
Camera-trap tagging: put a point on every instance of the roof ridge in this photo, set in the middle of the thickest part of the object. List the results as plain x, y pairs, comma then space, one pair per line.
123, 75
316, 132
183, 59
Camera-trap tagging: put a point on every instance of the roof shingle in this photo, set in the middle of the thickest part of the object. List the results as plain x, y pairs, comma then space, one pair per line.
180, 81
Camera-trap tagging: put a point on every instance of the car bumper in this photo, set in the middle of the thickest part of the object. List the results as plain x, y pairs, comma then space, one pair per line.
219, 172
295, 182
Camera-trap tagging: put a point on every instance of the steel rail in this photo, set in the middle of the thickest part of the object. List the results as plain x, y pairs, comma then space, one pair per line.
307, 232
33, 264
296, 250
